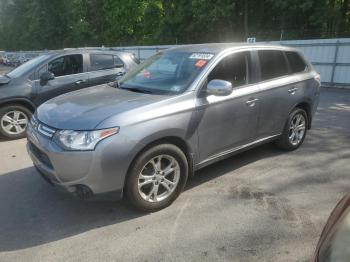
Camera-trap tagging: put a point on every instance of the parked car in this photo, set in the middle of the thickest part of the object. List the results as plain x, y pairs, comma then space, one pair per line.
50, 75
8, 59
28, 56
334, 242
175, 113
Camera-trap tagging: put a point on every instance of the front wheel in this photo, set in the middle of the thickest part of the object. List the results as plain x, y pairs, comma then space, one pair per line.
294, 131
13, 121
157, 177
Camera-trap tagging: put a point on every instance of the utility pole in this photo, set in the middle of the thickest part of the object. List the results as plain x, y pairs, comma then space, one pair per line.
281, 36
246, 10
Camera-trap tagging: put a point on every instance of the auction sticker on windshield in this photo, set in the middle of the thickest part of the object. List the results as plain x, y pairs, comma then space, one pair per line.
203, 56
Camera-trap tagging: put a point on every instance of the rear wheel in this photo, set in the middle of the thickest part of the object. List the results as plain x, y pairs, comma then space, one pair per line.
13, 121
294, 131
157, 177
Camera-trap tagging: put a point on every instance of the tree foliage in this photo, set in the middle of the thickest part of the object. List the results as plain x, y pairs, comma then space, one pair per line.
43, 24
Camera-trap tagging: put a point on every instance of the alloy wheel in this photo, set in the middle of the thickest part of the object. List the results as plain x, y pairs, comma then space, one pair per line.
159, 178
297, 129
14, 122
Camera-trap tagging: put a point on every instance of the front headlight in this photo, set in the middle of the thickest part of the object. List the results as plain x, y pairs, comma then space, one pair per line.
82, 140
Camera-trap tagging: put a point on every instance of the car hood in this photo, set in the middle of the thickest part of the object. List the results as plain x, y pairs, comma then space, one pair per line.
4, 80
86, 108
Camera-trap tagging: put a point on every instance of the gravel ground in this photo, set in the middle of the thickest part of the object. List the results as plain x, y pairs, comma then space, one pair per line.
262, 205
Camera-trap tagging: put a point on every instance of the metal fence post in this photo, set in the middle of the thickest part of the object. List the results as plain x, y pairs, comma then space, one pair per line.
138, 53
335, 62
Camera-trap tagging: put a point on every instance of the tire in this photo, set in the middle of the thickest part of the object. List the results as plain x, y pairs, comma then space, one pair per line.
285, 142
169, 154
18, 129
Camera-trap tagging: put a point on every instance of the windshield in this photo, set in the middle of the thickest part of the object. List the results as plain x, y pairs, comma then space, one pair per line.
166, 73
23, 69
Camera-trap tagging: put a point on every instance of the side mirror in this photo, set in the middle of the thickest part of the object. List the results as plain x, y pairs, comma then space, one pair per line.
218, 87
46, 77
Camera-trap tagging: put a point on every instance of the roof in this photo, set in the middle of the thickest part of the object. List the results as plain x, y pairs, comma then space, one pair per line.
84, 50
219, 47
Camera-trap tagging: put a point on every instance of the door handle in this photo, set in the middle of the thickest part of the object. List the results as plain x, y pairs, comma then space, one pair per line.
292, 90
120, 73
252, 102
79, 82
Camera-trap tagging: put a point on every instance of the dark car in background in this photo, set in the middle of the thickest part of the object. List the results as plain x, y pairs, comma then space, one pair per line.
53, 74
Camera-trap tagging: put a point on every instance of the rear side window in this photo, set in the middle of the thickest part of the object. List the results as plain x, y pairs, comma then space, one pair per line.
296, 63
101, 61
117, 62
272, 64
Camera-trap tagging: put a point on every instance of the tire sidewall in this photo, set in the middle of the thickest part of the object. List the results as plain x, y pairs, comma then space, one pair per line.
5, 110
137, 166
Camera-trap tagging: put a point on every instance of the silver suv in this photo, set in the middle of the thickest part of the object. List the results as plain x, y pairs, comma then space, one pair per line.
177, 112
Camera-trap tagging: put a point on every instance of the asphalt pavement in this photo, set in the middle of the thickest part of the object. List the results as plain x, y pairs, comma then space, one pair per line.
261, 205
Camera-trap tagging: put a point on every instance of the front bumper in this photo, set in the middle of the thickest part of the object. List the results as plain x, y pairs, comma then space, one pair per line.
85, 174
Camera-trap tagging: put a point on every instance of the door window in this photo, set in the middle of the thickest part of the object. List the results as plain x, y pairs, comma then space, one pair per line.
296, 63
118, 63
66, 65
234, 68
272, 64
101, 62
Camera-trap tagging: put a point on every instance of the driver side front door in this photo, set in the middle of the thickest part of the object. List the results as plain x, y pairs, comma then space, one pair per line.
69, 74
228, 122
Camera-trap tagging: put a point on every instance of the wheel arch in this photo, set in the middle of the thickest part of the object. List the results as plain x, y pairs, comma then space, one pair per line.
19, 101
306, 106
174, 140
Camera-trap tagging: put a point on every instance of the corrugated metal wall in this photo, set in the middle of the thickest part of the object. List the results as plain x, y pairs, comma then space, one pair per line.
331, 57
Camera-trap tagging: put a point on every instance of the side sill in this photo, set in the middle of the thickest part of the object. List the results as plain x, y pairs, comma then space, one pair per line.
234, 151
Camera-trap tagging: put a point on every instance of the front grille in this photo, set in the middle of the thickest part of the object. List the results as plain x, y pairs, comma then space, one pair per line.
42, 128
40, 155
45, 130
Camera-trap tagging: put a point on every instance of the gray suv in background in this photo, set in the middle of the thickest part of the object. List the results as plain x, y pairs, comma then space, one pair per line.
53, 74
177, 112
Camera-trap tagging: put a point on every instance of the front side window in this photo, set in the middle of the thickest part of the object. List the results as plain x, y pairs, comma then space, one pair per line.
66, 65
234, 68
272, 64
166, 73
296, 63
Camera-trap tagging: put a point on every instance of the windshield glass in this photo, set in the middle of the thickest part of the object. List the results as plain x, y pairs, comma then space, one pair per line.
166, 73
23, 69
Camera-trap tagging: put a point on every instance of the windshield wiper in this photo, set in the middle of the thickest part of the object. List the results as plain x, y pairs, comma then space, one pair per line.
135, 89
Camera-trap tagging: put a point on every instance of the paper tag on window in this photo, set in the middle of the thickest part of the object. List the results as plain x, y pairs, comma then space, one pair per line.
203, 56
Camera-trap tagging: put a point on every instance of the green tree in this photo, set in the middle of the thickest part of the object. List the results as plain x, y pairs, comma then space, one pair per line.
42, 24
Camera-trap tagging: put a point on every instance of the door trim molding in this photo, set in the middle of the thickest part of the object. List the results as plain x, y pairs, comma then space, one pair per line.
232, 151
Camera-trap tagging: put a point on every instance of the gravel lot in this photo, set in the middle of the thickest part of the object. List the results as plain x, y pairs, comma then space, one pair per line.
262, 205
